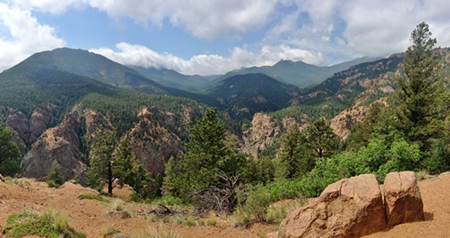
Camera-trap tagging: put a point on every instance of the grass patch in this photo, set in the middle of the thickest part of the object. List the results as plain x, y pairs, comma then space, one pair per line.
117, 207
160, 232
109, 231
422, 175
52, 224
212, 219
93, 197
190, 221
14, 181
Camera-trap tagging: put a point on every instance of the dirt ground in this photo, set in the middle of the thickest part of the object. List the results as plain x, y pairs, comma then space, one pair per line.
436, 204
91, 218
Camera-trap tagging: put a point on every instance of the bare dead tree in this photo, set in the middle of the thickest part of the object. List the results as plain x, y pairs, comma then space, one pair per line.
221, 197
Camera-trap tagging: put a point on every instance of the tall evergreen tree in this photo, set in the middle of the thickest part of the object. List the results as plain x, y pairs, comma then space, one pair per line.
209, 155
9, 154
132, 172
419, 91
101, 157
293, 156
321, 139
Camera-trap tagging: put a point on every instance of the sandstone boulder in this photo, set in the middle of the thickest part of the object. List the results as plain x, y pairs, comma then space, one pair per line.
348, 208
402, 198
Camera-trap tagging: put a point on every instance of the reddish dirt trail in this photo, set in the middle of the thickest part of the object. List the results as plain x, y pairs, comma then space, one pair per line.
436, 199
90, 216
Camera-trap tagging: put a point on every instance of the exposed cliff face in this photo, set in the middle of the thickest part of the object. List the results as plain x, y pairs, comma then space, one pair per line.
344, 121
265, 132
153, 144
59, 143
69, 142
27, 130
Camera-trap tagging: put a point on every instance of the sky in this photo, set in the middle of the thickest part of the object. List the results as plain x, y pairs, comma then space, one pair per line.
216, 36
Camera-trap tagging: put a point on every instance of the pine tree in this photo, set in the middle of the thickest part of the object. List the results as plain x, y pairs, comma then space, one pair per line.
292, 158
101, 157
419, 91
208, 156
206, 151
131, 171
321, 139
54, 177
9, 154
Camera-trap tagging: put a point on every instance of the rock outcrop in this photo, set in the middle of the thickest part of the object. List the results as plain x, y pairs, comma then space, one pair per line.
265, 131
153, 144
356, 207
261, 135
402, 198
25, 130
348, 208
60, 143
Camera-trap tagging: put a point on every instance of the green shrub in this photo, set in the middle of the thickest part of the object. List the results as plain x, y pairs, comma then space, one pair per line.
52, 224
55, 179
254, 209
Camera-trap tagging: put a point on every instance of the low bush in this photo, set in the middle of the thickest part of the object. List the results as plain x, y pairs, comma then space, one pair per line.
52, 224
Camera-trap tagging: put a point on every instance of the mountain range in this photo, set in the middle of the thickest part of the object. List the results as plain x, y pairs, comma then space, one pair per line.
54, 101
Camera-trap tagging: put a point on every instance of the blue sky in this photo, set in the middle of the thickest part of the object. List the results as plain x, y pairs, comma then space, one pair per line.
216, 36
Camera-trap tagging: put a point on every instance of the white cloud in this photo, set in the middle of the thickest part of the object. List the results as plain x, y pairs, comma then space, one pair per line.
354, 28
205, 19
139, 55
319, 32
22, 35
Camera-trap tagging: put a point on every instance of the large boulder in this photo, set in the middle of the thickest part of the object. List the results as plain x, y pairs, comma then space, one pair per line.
348, 208
402, 198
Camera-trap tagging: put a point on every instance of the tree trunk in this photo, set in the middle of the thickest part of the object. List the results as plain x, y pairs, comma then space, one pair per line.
110, 178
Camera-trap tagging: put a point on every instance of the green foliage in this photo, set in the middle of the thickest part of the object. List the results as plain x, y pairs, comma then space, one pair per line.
9, 154
265, 170
52, 224
94, 197
207, 154
100, 159
54, 177
132, 172
321, 139
293, 159
419, 92
254, 207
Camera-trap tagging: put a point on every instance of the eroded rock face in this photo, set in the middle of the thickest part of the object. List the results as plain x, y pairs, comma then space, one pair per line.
153, 145
261, 135
348, 208
402, 198
60, 143
344, 121
26, 131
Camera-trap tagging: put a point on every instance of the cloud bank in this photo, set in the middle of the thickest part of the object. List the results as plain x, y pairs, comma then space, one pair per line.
317, 32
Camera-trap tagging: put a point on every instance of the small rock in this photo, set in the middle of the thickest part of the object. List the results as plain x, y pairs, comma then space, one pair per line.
2, 179
402, 198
